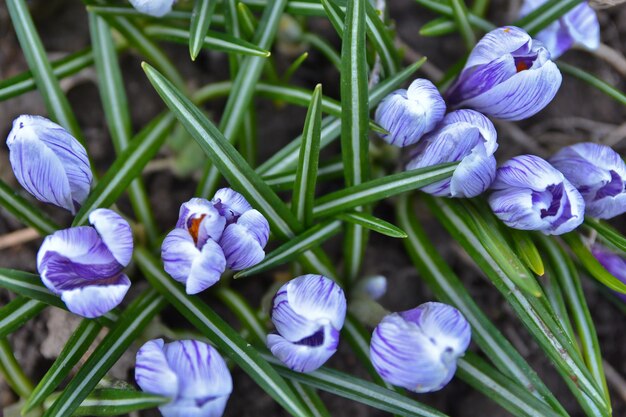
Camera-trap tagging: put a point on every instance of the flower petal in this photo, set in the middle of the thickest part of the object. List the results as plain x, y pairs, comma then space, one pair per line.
115, 233
97, 299
526, 171
189, 408
303, 357
199, 216
498, 42
230, 203
156, 8
612, 262
178, 252
474, 175
583, 26
317, 298
206, 269
243, 242
153, 373
289, 324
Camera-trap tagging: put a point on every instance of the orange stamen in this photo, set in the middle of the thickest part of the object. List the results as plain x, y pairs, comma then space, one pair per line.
195, 226
521, 66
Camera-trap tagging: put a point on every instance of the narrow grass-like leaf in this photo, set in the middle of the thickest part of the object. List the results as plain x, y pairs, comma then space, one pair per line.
380, 188
593, 81
115, 402
544, 15
200, 22
438, 27
306, 173
247, 20
47, 84
591, 264
213, 40
566, 274
607, 233
327, 171
131, 323
324, 47
445, 10
555, 298
127, 166
221, 334
12, 370
17, 312
78, 343
335, 15
294, 247
449, 289
294, 66
526, 250
461, 18
373, 223
25, 211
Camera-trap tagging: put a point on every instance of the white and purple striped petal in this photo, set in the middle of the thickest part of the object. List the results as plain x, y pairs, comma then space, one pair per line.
409, 114
508, 75
599, 174
202, 220
530, 194
308, 354
418, 349
612, 262
230, 204
98, 298
115, 232
156, 8
49, 162
153, 373
243, 241
466, 136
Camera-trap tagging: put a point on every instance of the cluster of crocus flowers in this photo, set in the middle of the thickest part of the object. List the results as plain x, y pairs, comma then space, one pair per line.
418, 349
156, 8
191, 373
211, 236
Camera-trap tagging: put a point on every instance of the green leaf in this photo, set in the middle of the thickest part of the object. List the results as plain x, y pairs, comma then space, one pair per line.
445, 10
373, 223
461, 17
13, 371
327, 171
380, 188
25, 211
595, 82
17, 312
526, 250
221, 334
294, 247
200, 22
126, 167
306, 173
115, 402
213, 40
128, 11
607, 233
131, 323
294, 66
440, 26
544, 15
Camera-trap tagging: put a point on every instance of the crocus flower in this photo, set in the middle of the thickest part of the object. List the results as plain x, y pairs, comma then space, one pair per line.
579, 26
191, 373
612, 262
49, 162
408, 114
156, 8
598, 172
212, 235
466, 136
530, 194
308, 313
83, 265
418, 349
508, 75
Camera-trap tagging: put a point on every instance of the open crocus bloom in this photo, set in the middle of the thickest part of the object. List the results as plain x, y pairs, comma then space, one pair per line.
308, 313
83, 265
418, 349
530, 194
191, 373
508, 75
578, 26
156, 8
49, 162
466, 136
599, 174
408, 114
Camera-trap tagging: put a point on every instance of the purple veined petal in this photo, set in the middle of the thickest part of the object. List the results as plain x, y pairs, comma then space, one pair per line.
515, 208
498, 42
189, 408
156, 8
241, 245
477, 120
317, 297
409, 114
115, 233
308, 354
201, 219
96, 299
474, 175
583, 26
289, 324
526, 171
612, 262
257, 226
153, 373
230, 203
571, 213
206, 269
49, 162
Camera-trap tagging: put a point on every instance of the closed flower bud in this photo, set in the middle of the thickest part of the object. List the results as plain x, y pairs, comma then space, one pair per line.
598, 172
612, 262
408, 114
49, 162
418, 349
308, 313
530, 194
466, 136
83, 265
156, 8
579, 26
508, 75
191, 373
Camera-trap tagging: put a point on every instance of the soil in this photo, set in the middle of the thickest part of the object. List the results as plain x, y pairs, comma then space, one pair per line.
578, 113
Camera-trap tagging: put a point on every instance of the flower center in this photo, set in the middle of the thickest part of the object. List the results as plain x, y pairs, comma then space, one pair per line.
193, 225
556, 190
522, 63
316, 339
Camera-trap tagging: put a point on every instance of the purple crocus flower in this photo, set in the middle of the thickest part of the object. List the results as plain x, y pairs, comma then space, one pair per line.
49, 162
530, 194
598, 172
466, 136
308, 313
156, 8
408, 114
83, 265
418, 349
211, 236
612, 262
508, 75
579, 26
191, 373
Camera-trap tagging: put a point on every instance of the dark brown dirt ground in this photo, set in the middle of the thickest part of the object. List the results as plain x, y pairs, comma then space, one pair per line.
578, 113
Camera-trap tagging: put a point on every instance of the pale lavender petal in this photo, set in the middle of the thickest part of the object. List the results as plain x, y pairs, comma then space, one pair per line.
612, 262
498, 42
115, 233
375, 286
527, 171
308, 354
189, 408
179, 252
156, 8
206, 269
317, 298
477, 80
202, 220
230, 203
474, 174
94, 300
476, 120
445, 324
583, 26
289, 324
243, 242
153, 373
